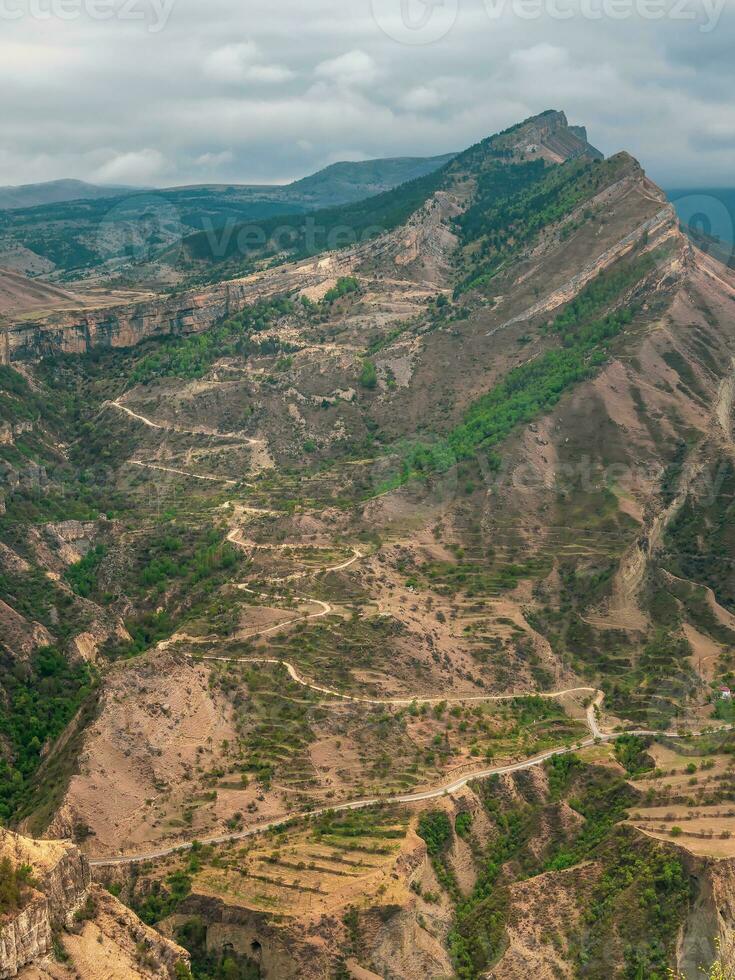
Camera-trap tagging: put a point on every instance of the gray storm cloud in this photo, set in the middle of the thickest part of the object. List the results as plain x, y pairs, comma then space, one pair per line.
160, 92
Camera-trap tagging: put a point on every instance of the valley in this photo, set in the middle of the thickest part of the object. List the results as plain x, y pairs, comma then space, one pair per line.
369, 611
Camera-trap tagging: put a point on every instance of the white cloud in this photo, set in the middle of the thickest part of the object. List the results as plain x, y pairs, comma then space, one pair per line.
269, 74
212, 161
422, 97
352, 68
231, 63
236, 64
132, 168
539, 58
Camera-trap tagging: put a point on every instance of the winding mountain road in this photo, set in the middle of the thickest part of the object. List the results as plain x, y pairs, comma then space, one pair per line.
169, 427
597, 735
193, 476
407, 799
324, 607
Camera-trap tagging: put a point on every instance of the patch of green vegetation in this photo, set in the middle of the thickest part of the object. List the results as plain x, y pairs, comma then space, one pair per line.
463, 824
343, 287
82, 575
379, 823
561, 770
663, 607
186, 564
513, 202
436, 830
40, 698
15, 881
631, 753
44, 791
35, 597
46, 485
636, 908
724, 710
657, 685
478, 933
18, 401
368, 375
191, 357
480, 578
700, 541
163, 899
210, 965
536, 386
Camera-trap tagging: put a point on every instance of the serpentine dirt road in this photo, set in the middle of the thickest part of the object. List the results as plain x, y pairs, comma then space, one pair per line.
597, 735
191, 476
168, 427
324, 607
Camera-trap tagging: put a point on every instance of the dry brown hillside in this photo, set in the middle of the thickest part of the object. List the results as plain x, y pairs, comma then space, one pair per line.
428, 537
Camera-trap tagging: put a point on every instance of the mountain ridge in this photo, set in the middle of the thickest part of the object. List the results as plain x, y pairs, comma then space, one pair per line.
449, 506
54, 192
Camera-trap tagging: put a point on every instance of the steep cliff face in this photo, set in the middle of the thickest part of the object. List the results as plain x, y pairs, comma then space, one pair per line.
61, 908
27, 938
712, 918
189, 312
61, 881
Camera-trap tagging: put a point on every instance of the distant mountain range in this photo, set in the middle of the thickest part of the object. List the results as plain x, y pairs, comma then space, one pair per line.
69, 227
54, 192
335, 184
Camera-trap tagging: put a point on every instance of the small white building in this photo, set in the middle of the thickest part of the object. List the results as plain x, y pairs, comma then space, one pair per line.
725, 693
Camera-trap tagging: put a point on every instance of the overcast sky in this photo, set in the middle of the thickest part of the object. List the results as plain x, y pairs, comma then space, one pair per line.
263, 91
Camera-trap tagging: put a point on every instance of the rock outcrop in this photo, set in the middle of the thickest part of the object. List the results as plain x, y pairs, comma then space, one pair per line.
188, 312
711, 922
60, 908
61, 881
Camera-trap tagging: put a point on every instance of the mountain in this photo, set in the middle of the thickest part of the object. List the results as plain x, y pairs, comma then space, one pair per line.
366, 600
338, 183
547, 138
72, 228
52, 192
344, 182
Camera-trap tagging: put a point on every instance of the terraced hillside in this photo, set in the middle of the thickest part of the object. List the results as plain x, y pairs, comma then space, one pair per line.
362, 527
